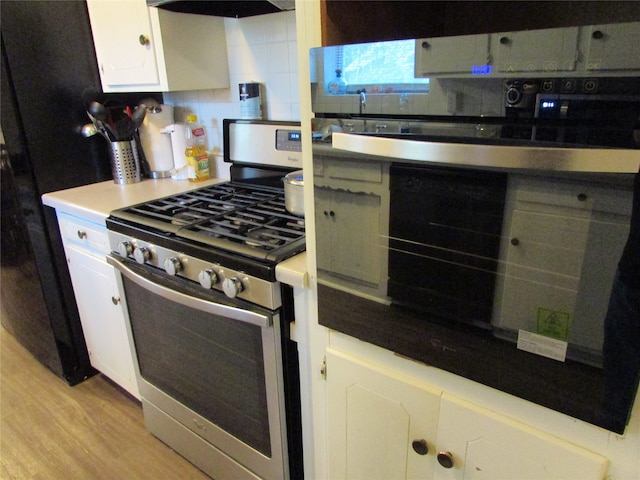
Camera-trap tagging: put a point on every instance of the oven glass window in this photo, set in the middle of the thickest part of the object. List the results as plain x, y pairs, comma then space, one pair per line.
211, 364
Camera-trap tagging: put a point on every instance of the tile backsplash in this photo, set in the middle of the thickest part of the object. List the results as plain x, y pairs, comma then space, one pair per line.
261, 49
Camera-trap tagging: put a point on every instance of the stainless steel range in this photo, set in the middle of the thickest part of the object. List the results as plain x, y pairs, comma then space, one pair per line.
209, 323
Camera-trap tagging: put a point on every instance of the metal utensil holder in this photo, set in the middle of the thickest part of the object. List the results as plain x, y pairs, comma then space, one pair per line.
125, 162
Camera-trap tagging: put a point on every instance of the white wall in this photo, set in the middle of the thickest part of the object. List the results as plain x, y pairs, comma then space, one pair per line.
261, 49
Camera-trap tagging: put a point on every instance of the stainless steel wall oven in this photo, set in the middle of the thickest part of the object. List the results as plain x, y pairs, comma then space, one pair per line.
496, 209
209, 323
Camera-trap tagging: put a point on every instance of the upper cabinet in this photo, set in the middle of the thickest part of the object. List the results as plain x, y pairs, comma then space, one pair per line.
146, 49
547, 50
442, 55
593, 50
613, 47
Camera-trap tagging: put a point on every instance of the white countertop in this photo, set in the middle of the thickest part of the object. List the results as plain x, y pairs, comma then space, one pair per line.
96, 201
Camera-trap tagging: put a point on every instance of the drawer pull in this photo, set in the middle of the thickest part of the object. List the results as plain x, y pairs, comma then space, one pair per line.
82, 234
115, 300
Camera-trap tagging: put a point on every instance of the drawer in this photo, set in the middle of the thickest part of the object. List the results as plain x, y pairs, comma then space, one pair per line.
82, 233
586, 197
347, 174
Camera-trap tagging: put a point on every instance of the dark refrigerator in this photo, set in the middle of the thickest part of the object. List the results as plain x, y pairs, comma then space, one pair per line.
49, 76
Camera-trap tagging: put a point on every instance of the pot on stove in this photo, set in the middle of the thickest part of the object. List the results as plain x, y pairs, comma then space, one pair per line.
294, 193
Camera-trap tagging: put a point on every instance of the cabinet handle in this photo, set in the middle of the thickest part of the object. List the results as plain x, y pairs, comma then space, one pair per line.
515, 241
582, 197
144, 40
426, 45
82, 234
420, 446
445, 459
330, 213
115, 300
597, 35
505, 40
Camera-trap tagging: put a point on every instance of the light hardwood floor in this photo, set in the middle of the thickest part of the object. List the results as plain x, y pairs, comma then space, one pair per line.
92, 431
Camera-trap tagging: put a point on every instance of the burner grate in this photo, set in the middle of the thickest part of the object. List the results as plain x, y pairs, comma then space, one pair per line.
242, 218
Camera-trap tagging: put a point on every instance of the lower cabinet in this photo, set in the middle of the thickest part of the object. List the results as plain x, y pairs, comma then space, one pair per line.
348, 234
382, 425
99, 300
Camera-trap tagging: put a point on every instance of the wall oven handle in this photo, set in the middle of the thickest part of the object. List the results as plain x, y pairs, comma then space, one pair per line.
226, 311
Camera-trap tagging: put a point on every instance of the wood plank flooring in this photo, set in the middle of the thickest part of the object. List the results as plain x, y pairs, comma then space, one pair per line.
92, 431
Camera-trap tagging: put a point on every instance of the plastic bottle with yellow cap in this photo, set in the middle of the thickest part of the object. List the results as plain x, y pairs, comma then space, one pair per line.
196, 150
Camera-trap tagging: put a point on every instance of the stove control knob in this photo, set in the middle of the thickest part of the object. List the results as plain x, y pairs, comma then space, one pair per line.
208, 278
125, 249
232, 287
172, 265
141, 254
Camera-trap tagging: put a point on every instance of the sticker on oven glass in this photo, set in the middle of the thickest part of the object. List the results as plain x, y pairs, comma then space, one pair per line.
553, 323
541, 345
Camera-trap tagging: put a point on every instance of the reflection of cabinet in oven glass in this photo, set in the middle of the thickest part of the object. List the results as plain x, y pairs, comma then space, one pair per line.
384, 425
351, 209
348, 226
561, 245
552, 49
609, 47
447, 55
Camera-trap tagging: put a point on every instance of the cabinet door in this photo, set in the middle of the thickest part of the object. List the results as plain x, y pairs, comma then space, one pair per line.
544, 263
349, 226
103, 321
484, 445
374, 419
548, 50
562, 246
465, 54
124, 43
611, 47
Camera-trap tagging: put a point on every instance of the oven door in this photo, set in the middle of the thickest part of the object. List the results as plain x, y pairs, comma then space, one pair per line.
210, 375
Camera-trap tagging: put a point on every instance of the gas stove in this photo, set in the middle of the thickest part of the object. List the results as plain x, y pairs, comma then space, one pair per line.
238, 229
249, 220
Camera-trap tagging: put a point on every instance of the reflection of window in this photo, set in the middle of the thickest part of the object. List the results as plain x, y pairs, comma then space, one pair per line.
380, 67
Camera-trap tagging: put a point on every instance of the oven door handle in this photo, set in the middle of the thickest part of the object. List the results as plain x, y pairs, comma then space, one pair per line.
207, 306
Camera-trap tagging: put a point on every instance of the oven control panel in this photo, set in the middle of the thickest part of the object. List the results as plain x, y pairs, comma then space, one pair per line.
210, 276
289, 140
264, 143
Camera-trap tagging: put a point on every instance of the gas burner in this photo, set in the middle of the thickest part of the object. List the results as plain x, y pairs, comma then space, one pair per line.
185, 218
263, 237
218, 231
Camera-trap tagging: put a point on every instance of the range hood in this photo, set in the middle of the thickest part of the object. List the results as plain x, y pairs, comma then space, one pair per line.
224, 8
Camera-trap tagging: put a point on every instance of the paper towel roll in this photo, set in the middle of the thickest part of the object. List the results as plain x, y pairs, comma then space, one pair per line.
178, 144
156, 143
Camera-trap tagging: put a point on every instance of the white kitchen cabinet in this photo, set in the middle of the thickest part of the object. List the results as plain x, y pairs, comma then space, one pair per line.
356, 216
549, 282
382, 425
146, 49
546, 50
467, 54
351, 225
99, 299
484, 445
374, 420
609, 47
